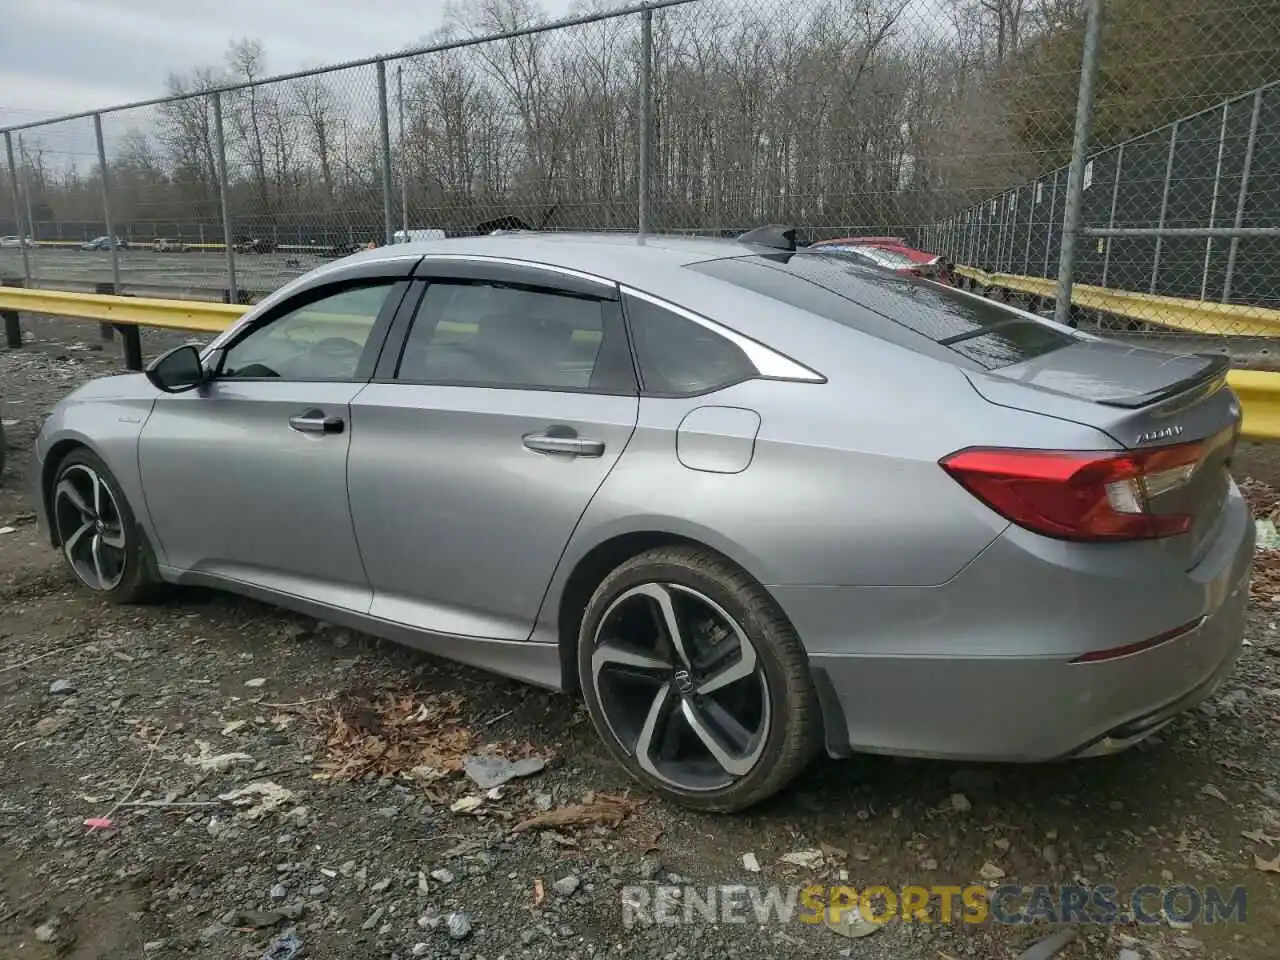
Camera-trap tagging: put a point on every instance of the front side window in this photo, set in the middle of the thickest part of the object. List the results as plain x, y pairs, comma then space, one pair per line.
323, 339
508, 335
678, 357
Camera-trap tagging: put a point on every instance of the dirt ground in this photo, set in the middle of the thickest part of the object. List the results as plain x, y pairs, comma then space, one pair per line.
358, 837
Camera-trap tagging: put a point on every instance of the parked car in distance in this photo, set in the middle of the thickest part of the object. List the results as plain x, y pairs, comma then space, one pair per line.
247, 244
753, 502
887, 259
929, 265
105, 243
165, 245
15, 243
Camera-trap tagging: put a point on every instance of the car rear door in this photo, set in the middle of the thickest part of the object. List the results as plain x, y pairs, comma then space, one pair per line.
245, 477
482, 440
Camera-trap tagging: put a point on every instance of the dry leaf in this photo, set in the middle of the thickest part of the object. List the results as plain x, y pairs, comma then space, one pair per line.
609, 812
832, 852
416, 739
539, 893
466, 804
1209, 790
1267, 866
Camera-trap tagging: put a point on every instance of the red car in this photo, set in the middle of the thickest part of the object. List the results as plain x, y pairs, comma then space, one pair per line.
898, 255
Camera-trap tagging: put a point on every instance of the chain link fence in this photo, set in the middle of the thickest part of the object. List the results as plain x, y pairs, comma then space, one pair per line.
954, 125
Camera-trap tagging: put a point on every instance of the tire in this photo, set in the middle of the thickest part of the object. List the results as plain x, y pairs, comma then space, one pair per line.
720, 611
110, 543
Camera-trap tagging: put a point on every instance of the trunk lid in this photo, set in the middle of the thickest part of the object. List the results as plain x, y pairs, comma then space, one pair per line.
1142, 399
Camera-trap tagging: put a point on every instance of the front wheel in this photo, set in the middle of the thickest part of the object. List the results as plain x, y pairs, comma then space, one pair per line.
696, 681
99, 535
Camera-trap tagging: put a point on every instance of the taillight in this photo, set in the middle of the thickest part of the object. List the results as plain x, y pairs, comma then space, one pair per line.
1079, 495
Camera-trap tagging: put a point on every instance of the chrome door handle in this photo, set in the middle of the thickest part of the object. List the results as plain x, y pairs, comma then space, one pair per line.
314, 421
565, 444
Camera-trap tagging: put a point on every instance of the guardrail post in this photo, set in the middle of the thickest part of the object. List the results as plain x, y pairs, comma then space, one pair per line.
106, 330
1073, 211
12, 329
12, 326
131, 340
1241, 200
384, 143
229, 245
17, 208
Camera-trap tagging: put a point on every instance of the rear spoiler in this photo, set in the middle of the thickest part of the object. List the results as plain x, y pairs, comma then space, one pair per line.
1209, 379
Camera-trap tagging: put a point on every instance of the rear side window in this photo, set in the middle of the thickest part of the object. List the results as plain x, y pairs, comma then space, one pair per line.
495, 334
905, 311
678, 357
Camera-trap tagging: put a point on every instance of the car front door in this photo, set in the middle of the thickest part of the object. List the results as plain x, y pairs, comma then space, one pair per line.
245, 477
481, 441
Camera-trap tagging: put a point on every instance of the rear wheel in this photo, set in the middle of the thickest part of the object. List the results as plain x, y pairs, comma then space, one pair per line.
696, 681
100, 539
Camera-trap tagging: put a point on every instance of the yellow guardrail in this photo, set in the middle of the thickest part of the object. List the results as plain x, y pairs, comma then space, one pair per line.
1258, 390
1259, 393
129, 311
1196, 316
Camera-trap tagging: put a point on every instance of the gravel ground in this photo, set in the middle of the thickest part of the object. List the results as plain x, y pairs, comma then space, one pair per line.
272, 781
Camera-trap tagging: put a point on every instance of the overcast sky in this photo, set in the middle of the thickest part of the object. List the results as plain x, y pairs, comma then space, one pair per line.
65, 56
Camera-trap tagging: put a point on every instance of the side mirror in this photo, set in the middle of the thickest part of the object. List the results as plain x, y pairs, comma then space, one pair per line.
177, 371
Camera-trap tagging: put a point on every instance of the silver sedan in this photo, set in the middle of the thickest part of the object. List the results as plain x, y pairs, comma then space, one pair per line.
755, 502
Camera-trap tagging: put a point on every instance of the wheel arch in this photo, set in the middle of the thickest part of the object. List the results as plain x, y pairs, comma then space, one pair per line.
58, 452
590, 569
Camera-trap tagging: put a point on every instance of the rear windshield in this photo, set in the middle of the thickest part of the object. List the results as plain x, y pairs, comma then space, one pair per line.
913, 313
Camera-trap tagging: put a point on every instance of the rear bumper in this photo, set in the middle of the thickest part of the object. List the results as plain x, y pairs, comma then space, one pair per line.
983, 698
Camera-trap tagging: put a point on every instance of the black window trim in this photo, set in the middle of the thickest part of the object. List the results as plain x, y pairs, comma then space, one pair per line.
444, 266
397, 286
544, 280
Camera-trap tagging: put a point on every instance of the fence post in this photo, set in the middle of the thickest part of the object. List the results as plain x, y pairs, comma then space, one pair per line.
1241, 200
1073, 210
26, 190
384, 139
997, 228
1212, 205
1031, 227
105, 330
228, 243
404, 163
17, 208
1048, 231
1111, 218
646, 119
1164, 205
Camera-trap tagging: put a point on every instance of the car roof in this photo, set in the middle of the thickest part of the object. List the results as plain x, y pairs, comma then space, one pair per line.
614, 255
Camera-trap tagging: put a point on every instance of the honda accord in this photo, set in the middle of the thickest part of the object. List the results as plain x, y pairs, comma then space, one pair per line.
753, 502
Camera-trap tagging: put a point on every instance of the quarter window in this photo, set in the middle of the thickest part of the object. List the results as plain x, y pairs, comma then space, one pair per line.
678, 357
506, 335
322, 340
